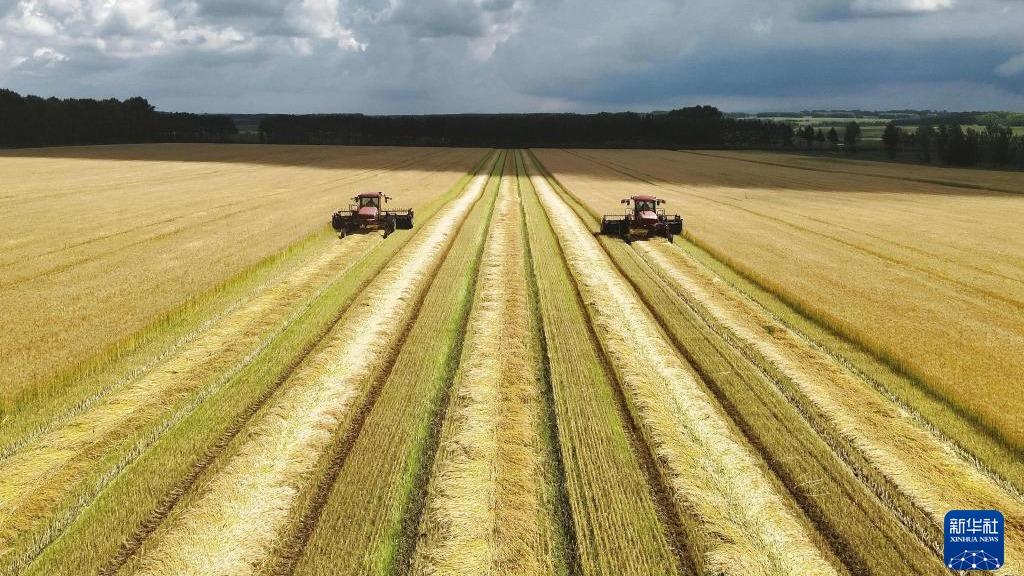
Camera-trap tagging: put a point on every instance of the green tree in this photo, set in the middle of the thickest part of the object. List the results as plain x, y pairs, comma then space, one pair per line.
999, 144
851, 136
891, 139
833, 137
807, 135
925, 136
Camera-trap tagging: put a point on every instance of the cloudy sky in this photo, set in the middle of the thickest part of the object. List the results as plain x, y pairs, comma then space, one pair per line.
422, 56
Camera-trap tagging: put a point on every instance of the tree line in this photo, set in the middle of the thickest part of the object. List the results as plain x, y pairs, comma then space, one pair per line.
34, 121
687, 127
951, 144
948, 143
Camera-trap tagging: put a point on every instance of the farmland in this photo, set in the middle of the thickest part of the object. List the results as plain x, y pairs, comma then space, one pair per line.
198, 376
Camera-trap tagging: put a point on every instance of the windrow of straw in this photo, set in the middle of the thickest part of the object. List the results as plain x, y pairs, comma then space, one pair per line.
926, 278
935, 475
232, 521
486, 511
371, 505
613, 512
54, 474
741, 524
165, 463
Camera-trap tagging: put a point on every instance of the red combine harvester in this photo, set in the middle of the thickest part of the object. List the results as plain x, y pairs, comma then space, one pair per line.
644, 217
366, 213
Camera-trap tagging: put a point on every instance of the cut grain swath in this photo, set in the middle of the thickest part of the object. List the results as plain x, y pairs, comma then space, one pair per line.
49, 479
117, 522
931, 472
370, 514
489, 509
232, 522
741, 525
926, 278
614, 521
866, 534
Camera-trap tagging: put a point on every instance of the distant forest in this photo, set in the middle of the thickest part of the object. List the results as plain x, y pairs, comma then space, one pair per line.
689, 127
919, 136
33, 121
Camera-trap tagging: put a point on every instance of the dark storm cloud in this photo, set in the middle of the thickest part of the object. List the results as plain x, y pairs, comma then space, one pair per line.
490, 55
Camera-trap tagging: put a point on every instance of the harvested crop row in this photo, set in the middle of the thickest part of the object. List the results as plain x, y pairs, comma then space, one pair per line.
371, 504
933, 331
866, 535
230, 523
48, 479
935, 476
111, 529
488, 509
743, 526
615, 524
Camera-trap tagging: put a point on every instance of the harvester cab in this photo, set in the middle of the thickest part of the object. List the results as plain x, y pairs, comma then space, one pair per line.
366, 212
642, 217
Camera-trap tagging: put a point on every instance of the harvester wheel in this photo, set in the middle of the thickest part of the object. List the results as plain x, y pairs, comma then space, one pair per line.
624, 232
389, 226
668, 234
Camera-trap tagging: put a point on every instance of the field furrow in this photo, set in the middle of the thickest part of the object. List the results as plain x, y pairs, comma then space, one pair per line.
740, 523
618, 522
489, 510
231, 522
932, 473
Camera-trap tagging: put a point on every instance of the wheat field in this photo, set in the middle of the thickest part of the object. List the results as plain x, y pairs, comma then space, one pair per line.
201, 377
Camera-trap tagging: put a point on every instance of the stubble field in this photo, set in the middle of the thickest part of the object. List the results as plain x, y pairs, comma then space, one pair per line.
199, 377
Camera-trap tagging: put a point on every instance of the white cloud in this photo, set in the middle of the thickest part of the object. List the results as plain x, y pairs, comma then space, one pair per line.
1011, 67
762, 26
49, 57
133, 29
899, 6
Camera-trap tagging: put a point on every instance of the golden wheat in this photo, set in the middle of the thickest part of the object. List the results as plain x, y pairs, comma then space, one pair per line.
929, 277
744, 525
101, 242
931, 472
232, 523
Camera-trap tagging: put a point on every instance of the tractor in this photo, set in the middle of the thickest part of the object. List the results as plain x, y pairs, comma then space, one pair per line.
366, 213
643, 217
